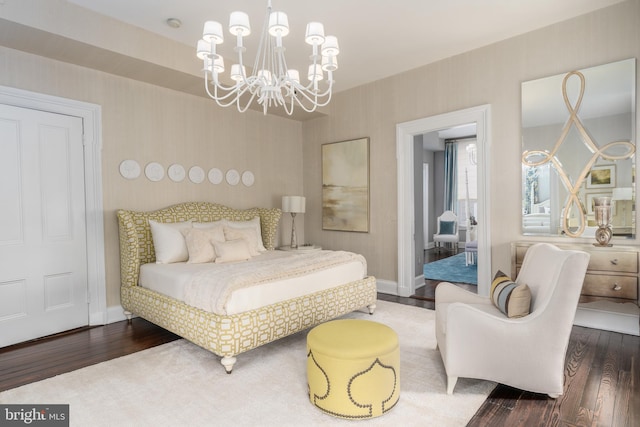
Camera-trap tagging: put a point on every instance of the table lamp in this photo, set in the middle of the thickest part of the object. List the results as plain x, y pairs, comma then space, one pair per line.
602, 210
294, 205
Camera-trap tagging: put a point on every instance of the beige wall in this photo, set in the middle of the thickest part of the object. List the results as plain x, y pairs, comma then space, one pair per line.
146, 122
491, 75
149, 123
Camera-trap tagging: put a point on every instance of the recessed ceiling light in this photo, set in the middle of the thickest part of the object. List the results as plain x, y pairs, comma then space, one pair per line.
174, 22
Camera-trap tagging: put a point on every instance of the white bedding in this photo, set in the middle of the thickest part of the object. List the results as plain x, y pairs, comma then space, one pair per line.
536, 223
192, 283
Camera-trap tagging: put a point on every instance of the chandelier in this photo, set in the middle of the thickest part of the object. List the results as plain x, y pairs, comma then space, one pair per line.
271, 83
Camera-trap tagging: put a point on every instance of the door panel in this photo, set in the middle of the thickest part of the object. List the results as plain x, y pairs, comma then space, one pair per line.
43, 264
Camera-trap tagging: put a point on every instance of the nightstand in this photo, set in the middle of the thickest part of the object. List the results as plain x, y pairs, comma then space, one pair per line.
301, 248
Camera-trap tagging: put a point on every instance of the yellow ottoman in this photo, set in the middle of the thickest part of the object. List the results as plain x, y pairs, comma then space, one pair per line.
353, 368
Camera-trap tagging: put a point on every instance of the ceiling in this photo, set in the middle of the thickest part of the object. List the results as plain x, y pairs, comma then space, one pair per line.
378, 38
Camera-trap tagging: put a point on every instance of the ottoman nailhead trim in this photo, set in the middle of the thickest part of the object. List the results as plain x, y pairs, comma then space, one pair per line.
315, 396
370, 407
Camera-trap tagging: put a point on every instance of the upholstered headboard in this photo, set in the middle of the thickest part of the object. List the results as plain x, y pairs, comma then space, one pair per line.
136, 243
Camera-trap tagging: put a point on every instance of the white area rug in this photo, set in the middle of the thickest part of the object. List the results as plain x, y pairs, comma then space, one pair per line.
180, 384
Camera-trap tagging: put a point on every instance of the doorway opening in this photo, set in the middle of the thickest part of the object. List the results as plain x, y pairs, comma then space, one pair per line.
405, 133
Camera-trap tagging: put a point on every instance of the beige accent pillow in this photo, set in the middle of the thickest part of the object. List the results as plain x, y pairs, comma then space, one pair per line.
511, 298
199, 243
232, 250
253, 224
247, 234
168, 241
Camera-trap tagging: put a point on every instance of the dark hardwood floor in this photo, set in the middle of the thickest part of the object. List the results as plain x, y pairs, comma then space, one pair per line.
50, 356
602, 374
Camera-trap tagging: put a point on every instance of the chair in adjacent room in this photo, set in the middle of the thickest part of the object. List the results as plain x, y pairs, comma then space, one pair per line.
447, 231
477, 338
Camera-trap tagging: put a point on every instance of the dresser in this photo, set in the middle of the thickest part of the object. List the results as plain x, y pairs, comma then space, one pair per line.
609, 297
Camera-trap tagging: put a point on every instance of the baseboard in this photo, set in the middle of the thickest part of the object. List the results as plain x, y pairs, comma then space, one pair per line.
115, 314
418, 281
97, 318
387, 287
608, 316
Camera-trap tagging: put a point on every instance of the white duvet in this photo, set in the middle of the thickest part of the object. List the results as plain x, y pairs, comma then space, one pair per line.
272, 277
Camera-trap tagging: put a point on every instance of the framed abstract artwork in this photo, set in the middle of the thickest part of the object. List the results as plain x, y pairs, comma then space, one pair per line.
345, 185
602, 176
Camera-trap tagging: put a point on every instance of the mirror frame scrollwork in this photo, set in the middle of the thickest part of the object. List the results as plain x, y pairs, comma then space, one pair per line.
609, 151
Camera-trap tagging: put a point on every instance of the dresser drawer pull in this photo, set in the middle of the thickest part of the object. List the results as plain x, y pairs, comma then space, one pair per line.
616, 287
614, 261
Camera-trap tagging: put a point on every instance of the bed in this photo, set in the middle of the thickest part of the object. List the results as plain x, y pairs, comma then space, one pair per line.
536, 223
248, 321
539, 220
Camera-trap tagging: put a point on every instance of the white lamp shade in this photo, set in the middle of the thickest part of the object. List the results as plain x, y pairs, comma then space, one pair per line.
315, 72
212, 32
239, 24
294, 75
330, 46
329, 63
278, 24
203, 49
218, 65
622, 193
236, 74
315, 33
265, 75
293, 204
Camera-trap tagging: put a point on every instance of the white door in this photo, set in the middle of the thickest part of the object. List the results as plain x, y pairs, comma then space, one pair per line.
43, 259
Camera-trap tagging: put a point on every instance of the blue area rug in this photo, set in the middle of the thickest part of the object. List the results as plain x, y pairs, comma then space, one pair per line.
452, 269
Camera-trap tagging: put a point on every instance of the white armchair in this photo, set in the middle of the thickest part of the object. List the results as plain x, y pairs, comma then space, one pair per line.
476, 340
447, 230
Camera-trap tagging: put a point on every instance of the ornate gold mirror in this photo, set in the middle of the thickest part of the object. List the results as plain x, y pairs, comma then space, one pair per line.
578, 146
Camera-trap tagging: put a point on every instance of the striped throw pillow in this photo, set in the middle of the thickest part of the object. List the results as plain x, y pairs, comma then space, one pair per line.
512, 299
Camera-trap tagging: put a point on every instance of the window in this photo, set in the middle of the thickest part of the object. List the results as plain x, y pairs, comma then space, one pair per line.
467, 175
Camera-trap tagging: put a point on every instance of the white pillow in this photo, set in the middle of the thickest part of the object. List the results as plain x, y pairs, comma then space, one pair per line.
231, 250
253, 224
247, 234
199, 243
168, 241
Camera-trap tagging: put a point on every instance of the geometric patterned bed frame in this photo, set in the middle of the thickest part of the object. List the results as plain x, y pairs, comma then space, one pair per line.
225, 335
